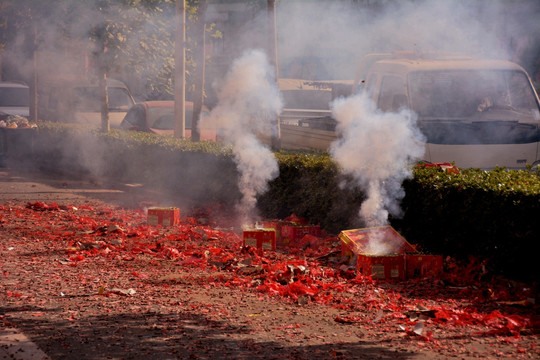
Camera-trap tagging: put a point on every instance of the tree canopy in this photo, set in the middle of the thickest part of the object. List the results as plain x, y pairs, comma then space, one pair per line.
137, 35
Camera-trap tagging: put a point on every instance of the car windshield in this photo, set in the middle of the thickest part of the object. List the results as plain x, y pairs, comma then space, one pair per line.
119, 99
14, 96
87, 99
457, 94
162, 118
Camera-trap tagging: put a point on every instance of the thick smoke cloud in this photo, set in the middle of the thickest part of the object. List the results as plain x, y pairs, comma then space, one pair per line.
377, 149
248, 104
346, 31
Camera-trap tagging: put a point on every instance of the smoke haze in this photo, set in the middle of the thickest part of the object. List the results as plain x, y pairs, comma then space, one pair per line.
380, 244
376, 148
248, 104
344, 32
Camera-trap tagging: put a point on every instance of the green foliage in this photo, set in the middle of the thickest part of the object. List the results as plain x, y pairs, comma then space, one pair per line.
138, 34
196, 172
501, 181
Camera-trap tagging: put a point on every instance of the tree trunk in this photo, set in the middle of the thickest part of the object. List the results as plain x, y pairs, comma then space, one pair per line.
34, 81
180, 71
104, 100
273, 56
200, 57
103, 90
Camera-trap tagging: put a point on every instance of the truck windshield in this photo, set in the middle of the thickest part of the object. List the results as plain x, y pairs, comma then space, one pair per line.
459, 94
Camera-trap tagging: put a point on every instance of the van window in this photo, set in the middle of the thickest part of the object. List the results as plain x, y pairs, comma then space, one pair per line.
475, 107
392, 95
458, 94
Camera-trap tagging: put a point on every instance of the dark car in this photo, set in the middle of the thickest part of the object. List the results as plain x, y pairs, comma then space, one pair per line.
158, 117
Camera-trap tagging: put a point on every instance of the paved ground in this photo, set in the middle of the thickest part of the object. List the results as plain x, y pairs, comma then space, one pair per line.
21, 184
16, 346
27, 184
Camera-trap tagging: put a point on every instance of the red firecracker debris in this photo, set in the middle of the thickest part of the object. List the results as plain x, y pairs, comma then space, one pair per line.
89, 261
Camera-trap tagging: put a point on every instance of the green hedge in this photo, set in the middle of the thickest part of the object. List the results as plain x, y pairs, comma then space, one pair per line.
488, 213
494, 214
194, 173
310, 186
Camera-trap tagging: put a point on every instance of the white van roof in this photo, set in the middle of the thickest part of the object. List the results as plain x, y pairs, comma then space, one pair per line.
406, 61
441, 64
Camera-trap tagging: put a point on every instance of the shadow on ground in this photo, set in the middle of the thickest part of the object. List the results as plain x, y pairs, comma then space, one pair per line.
173, 335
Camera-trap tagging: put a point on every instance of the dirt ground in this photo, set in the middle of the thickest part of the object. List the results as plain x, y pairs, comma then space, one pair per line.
85, 277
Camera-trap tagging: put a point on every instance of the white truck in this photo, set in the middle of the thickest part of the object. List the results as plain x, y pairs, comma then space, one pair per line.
475, 113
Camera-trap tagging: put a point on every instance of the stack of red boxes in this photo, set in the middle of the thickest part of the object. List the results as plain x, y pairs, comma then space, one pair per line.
163, 216
291, 230
277, 225
293, 233
401, 260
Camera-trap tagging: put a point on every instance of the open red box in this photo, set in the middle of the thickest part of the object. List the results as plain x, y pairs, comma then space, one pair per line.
399, 261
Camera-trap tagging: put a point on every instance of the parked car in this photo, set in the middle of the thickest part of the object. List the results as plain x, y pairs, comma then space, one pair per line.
14, 99
158, 117
77, 101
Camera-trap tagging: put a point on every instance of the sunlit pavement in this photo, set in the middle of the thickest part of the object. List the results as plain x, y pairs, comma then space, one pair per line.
17, 185
23, 184
16, 346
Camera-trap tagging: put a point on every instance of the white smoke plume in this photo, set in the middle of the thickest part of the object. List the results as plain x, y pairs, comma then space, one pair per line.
381, 244
248, 105
377, 150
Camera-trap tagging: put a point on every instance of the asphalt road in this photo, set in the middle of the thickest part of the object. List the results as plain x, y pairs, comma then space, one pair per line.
24, 184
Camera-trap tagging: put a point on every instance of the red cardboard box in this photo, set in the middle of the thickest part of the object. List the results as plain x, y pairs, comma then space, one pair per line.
292, 234
386, 267
422, 265
262, 239
277, 225
163, 216
400, 261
